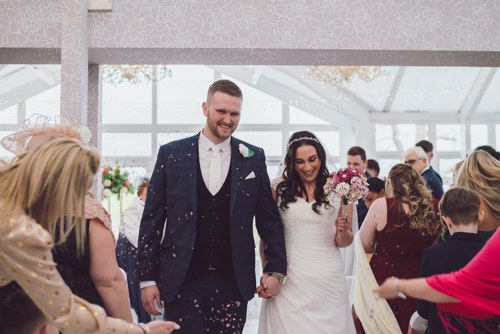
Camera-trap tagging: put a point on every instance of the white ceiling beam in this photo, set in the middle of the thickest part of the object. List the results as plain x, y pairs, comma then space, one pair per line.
414, 117
394, 89
354, 107
23, 92
476, 93
43, 73
285, 94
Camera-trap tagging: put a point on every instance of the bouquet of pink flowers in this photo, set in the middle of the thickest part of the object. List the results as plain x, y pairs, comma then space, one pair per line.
349, 184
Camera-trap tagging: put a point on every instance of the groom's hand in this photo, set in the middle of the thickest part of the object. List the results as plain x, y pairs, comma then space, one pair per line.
149, 295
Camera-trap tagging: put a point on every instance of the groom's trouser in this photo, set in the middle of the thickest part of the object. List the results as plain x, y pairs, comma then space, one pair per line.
208, 303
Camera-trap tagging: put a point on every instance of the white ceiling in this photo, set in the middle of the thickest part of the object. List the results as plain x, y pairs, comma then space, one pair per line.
467, 91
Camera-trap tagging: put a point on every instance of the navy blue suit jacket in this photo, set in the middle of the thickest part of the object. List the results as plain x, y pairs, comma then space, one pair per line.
446, 257
171, 209
433, 183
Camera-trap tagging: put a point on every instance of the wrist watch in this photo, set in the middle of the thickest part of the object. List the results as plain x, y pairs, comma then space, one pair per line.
280, 277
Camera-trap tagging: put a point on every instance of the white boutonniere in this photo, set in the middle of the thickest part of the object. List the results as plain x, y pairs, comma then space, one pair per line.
245, 151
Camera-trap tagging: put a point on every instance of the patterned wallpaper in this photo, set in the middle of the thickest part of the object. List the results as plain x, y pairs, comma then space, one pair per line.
453, 25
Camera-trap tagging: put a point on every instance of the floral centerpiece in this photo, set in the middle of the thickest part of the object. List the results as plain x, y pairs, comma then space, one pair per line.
349, 184
115, 181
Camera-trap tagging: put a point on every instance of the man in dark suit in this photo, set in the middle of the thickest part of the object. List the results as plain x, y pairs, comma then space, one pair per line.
429, 150
459, 209
356, 159
204, 194
418, 160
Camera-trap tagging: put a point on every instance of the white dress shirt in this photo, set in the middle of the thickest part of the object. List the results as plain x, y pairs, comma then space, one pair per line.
205, 155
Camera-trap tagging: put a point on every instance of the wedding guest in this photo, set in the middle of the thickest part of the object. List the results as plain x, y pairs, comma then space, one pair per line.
418, 160
372, 168
396, 230
93, 274
19, 315
376, 189
126, 248
489, 149
428, 149
459, 209
480, 172
206, 192
356, 159
470, 296
42, 194
314, 298
456, 170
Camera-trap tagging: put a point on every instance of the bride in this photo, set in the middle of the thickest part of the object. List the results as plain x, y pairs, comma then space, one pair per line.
314, 298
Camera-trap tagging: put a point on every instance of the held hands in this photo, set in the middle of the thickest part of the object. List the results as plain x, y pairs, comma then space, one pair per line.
269, 286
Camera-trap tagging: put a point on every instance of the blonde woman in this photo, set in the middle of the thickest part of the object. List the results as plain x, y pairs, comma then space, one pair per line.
41, 195
481, 172
396, 230
93, 274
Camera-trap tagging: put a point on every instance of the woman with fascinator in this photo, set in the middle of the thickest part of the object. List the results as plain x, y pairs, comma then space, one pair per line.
314, 298
93, 275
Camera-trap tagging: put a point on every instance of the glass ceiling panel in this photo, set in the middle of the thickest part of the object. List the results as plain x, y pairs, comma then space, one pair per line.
491, 98
377, 91
434, 89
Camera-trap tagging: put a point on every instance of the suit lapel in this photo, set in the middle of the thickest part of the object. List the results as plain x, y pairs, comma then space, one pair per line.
236, 169
192, 157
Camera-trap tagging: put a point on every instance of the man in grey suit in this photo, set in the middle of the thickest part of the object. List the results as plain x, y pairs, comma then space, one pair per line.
204, 194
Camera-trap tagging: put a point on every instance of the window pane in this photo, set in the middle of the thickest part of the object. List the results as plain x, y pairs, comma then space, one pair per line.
398, 137
299, 116
4, 154
273, 170
498, 137
167, 137
126, 144
127, 103
47, 103
446, 168
449, 137
181, 96
258, 107
270, 141
386, 165
330, 141
9, 115
478, 135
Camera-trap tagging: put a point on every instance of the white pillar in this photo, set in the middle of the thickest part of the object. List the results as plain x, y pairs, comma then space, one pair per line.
74, 62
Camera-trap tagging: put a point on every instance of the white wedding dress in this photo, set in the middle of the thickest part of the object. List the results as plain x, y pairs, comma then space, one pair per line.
314, 299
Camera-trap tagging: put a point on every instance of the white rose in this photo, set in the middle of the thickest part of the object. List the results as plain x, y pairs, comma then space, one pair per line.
243, 150
123, 190
107, 183
106, 192
342, 189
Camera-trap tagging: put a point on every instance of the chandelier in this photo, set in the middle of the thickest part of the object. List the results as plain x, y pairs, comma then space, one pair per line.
116, 74
343, 74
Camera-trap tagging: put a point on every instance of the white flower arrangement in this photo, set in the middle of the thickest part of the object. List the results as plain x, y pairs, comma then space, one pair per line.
245, 151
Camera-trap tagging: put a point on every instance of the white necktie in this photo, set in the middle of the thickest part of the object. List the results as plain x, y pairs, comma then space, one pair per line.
214, 176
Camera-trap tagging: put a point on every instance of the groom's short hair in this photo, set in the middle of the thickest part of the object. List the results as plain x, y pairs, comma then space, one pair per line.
224, 86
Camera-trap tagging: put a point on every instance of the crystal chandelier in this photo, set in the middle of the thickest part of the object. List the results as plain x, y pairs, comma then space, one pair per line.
343, 74
116, 74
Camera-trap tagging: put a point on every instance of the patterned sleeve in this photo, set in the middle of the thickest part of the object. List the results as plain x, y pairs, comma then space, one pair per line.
25, 249
95, 210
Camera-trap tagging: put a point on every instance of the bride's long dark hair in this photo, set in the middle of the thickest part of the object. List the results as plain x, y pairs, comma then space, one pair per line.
292, 186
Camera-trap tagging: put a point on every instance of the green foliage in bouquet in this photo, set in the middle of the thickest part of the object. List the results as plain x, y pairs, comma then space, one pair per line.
115, 181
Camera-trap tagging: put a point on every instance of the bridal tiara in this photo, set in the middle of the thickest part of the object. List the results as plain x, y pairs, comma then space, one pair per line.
302, 138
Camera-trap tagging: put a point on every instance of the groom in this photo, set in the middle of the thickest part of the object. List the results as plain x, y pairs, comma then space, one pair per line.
196, 246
